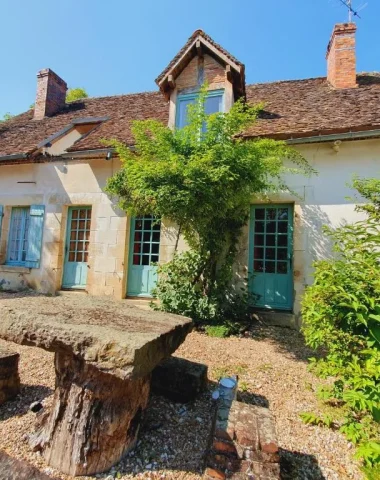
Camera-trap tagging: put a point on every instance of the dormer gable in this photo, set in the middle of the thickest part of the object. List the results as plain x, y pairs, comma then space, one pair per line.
202, 60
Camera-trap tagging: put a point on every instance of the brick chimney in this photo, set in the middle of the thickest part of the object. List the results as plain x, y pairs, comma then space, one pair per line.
51, 94
341, 56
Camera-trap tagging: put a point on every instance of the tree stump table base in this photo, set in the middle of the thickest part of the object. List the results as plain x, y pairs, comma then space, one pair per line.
94, 419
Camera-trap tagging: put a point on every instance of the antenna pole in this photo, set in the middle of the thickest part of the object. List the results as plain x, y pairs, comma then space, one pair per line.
349, 4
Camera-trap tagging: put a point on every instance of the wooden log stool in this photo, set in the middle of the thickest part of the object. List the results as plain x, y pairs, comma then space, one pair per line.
9, 377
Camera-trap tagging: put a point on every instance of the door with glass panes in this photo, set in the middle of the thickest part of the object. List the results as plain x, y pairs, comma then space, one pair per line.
143, 256
76, 248
271, 255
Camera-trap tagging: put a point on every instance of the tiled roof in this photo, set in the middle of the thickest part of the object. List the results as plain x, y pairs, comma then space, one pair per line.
311, 107
22, 134
292, 109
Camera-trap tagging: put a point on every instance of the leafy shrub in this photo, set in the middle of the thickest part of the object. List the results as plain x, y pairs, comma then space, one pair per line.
219, 331
180, 290
341, 316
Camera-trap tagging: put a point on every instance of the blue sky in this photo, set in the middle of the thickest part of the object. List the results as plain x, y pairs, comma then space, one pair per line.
120, 46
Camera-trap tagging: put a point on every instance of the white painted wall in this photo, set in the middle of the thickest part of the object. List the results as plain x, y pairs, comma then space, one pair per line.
59, 185
323, 201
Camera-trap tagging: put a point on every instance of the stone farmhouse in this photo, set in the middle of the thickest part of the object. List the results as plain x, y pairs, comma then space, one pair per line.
59, 230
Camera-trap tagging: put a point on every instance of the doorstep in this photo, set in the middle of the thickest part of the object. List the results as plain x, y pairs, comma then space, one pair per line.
276, 318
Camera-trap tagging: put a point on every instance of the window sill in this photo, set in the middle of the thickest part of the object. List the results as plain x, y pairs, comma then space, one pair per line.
14, 269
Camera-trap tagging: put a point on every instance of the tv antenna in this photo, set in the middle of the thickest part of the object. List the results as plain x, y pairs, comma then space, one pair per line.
351, 11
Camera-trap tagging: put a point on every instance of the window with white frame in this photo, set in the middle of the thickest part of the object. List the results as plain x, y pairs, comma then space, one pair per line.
214, 103
18, 236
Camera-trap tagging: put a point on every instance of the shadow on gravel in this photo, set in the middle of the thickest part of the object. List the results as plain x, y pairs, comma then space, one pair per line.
21, 403
252, 399
299, 466
285, 339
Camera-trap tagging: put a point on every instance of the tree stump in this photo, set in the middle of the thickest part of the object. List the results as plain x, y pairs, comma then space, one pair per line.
94, 419
9, 377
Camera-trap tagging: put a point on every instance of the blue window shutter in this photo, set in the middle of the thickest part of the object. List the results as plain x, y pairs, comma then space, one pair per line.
36, 223
1, 217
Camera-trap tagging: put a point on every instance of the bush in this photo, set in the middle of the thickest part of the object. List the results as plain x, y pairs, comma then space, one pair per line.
341, 317
180, 290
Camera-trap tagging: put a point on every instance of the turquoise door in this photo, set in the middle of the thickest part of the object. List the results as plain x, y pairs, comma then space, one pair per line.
143, 254
76, 248
271, 255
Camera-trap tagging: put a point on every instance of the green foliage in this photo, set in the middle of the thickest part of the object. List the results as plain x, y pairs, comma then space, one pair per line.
219, 331
7, 116
341, 316
202, 178
311, 419
180, 290
75, 94
72, 95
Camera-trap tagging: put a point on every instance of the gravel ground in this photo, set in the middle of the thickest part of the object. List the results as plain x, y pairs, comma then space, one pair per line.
272, 370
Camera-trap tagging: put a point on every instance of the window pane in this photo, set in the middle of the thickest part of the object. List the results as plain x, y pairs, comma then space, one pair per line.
259, 252
136, 259
147, 236
282, 240
154, 259
282, 267
155, 247
182, 106
147, 224
282, 254
145, 260
259, 227
271, 227
137, 236
259, 239
271, 213
270, 267
156, 237
259, 213
146, 247
283, 213
282, 227
138, 225
258, 266
271, 240
214, 104
270, 253
18, 234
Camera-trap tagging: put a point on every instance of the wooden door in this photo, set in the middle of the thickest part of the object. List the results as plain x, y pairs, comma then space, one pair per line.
143, 255
76, 248
271, 255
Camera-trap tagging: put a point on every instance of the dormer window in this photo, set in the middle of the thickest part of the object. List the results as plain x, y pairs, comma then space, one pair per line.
214, 103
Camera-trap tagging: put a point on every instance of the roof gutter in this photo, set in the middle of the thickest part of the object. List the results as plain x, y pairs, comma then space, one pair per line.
98, 152
14, 156
336, 136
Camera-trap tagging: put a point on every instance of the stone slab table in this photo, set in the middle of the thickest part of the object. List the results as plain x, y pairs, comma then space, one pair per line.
105, 351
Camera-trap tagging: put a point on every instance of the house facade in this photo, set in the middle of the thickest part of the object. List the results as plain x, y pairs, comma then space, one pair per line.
60, 230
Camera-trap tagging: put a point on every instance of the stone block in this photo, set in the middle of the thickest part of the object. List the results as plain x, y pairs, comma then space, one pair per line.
12, 469
179, 380
9, 377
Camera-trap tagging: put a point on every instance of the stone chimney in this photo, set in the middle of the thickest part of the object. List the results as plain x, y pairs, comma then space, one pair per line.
51, 94
341, 56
